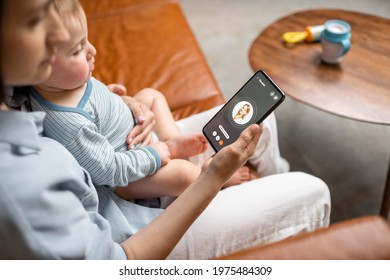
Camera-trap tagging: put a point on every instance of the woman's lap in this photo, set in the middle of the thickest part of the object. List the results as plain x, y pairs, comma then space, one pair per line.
258, 212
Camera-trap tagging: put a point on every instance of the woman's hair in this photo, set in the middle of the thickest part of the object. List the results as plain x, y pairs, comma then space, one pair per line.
2, 90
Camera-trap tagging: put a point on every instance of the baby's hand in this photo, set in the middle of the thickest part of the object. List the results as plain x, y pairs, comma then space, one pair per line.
162, 150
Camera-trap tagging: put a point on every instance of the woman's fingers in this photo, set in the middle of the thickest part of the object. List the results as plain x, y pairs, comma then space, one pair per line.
229, 159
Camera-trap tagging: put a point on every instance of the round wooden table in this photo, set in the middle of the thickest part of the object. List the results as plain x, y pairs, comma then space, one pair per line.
358, 88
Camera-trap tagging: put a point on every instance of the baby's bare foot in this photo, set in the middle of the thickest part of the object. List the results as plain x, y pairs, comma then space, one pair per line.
253, 173
240, 176
185, 146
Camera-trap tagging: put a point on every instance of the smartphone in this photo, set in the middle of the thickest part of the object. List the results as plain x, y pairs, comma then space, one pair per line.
258, 98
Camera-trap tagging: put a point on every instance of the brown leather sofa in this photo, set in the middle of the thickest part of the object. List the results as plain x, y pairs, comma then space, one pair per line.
148, 43
364, 238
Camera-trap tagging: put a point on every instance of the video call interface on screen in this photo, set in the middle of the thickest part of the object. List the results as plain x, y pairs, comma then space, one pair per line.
248, 106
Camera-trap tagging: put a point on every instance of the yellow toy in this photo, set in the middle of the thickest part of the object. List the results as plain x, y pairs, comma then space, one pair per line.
311, 34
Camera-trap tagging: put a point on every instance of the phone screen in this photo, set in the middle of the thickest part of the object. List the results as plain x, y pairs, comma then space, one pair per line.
251, 104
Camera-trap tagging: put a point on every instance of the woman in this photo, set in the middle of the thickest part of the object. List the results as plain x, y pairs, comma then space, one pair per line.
49, 208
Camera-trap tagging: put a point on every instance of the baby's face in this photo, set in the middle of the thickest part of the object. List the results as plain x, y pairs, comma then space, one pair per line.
74, 62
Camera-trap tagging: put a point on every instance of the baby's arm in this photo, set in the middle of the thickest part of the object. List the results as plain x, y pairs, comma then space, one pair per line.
162, 150
107, 167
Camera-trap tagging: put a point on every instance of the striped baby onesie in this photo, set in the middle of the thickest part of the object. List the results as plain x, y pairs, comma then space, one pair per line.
95, 133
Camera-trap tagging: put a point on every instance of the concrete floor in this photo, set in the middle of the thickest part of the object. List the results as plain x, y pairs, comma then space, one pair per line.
351, 157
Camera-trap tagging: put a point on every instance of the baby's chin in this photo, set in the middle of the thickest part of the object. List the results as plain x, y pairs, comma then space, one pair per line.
79, 83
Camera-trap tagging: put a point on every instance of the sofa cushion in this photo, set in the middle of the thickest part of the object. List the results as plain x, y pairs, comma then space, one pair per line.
150, 44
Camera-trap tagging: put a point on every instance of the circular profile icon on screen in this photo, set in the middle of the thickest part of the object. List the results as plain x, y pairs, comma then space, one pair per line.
242, 112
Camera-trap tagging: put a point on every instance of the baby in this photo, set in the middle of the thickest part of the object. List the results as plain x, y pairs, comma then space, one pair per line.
92, 123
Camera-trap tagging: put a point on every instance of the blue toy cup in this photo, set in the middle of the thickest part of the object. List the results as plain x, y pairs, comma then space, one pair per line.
335, 40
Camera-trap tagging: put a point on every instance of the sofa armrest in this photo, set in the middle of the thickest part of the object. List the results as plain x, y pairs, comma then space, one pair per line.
150, 44
359, 238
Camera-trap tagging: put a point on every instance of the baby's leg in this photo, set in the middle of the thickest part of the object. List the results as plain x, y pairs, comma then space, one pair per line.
170, 180
180, 146
165, 127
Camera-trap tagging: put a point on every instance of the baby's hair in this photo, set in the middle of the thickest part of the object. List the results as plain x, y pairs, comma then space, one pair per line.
69, 11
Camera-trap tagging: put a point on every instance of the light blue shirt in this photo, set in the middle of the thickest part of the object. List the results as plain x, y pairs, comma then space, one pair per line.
48, 207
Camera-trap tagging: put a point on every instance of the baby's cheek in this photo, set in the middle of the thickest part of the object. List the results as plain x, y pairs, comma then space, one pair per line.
77, 77
81, 74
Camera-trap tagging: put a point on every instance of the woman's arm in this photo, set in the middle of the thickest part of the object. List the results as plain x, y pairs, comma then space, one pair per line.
145, 122
157, 240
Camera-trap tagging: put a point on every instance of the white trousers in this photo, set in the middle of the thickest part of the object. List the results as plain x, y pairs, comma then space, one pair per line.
268, 209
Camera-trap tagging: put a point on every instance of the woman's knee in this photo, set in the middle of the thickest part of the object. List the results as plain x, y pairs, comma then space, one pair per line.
315, 192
